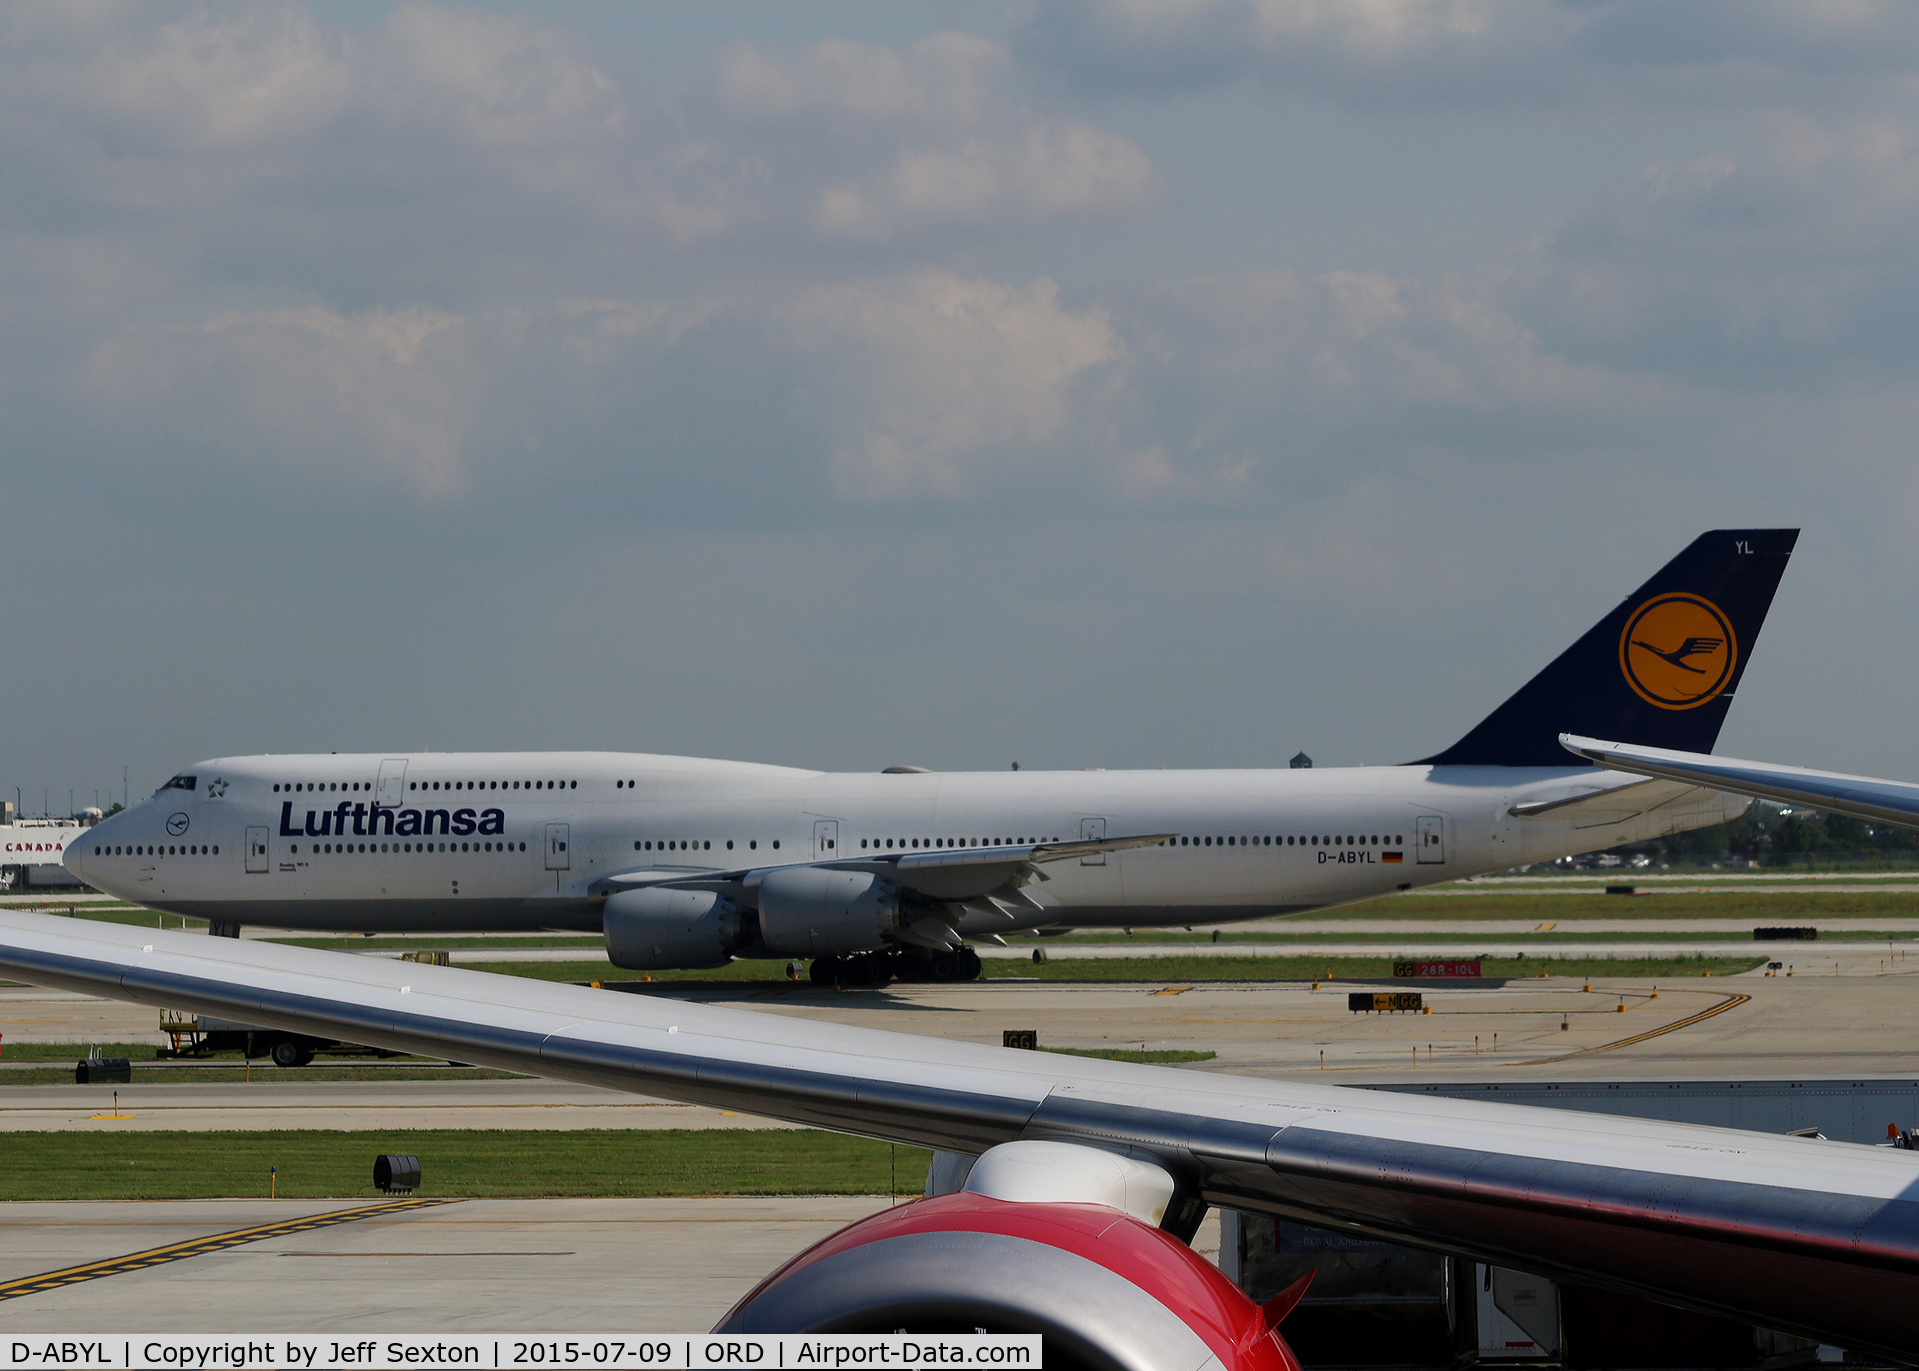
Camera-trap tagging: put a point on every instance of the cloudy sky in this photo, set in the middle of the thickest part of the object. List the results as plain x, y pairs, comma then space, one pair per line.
840, 384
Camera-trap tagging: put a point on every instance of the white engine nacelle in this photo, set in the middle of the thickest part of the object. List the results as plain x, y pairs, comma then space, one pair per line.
806, 911
657, 930
1048, 1238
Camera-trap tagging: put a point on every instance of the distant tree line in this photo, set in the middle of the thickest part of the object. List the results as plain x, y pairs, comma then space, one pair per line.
1765, 835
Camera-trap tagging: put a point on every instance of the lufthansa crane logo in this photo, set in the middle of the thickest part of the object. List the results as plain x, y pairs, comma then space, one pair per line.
177, 824
1678, 651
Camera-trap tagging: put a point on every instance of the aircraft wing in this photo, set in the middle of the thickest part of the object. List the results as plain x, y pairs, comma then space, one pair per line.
1814, 1237
1890, 802
1600, 807
987, 880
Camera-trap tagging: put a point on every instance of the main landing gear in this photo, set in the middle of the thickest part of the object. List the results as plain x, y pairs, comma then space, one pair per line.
863, 970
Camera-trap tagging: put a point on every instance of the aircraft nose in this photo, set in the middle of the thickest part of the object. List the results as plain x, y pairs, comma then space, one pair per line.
80, 858
77, 856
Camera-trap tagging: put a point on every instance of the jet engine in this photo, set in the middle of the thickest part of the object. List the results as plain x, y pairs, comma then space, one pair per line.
808, 911
653, 930
1047, 1238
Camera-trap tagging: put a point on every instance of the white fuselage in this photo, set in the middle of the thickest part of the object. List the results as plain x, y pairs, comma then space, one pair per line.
443, 842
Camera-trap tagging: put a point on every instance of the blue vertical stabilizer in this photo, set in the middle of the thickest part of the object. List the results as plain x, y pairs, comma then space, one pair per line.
1659, 671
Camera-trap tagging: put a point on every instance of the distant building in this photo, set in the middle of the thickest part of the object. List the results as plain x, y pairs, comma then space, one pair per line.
1301, 761
31, 852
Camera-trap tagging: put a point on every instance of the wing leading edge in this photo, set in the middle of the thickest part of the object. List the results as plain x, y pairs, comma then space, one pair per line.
1813, 1237
1863, 797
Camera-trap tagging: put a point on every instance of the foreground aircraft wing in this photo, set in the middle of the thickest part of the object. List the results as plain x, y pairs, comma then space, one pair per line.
1890, 802
1813, 1237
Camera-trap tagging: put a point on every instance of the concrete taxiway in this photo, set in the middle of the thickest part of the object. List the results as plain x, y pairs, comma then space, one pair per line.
605, 1265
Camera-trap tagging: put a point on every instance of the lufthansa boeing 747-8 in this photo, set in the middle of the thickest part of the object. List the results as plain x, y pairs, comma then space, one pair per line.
682, 862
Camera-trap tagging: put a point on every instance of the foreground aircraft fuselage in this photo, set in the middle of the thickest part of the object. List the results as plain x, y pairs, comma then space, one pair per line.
685, 863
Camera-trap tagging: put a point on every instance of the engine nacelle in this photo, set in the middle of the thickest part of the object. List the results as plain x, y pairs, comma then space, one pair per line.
807, 911
658, 930
1105, 1290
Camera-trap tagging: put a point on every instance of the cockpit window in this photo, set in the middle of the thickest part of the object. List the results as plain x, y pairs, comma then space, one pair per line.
179, 783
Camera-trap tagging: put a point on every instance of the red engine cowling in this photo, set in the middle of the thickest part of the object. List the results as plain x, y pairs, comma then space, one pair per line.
1106, 1290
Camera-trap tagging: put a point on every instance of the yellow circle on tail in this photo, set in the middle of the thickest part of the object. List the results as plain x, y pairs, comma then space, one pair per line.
1678, 651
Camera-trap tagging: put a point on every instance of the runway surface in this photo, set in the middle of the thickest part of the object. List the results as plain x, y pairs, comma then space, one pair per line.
607, 1265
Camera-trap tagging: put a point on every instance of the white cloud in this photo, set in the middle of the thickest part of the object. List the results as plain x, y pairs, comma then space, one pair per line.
438, 139
618, 360
1399, 54
934, 136
147, 78
1051, 171
384, 398
1789, 264
942, 81
945, 386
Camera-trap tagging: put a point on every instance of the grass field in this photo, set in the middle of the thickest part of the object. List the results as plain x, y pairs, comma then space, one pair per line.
1173, 967
72, 1052
1782, 907
1129, 1054
480, 1164
1312, 968
234, 1071
116, 914
604, 970
1545, 939
1463, 902
396, 943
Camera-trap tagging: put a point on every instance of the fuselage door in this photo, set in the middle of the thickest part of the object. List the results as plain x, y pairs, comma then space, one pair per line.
826, 839
1093, 830
1432, 838
257, 850
557, 857
389, 792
